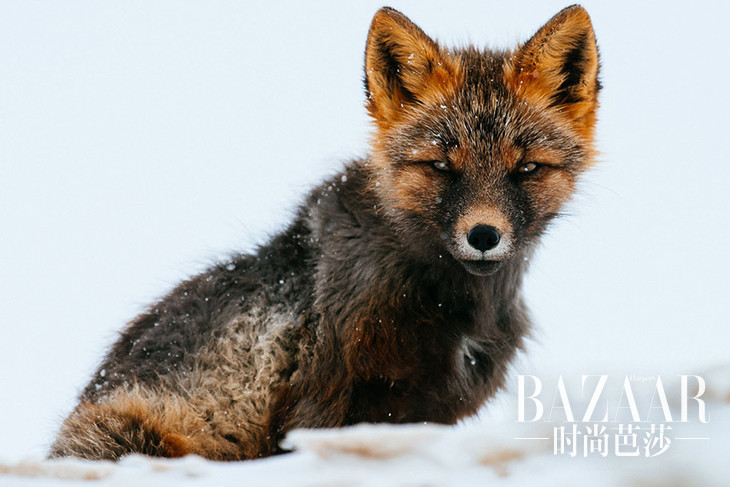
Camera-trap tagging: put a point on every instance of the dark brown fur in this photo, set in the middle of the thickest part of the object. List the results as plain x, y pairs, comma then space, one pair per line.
371, 306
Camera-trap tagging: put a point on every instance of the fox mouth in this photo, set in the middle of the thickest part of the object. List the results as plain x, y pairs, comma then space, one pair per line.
482, 267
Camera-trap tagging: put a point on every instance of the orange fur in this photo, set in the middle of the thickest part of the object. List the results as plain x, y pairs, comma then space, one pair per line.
425, 72
535, 68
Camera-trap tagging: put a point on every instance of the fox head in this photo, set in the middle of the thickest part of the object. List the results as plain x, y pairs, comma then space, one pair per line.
475, 151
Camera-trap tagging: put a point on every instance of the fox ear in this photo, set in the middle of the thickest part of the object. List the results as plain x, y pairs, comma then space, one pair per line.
560, 64
403, 66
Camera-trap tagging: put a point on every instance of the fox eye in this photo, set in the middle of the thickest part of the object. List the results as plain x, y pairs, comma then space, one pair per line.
441, 166
528, 168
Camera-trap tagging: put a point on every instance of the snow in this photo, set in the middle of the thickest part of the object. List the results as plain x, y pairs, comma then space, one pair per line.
483, 453
141, 142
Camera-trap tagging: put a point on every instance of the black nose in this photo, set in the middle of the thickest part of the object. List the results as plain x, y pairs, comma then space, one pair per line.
483, 237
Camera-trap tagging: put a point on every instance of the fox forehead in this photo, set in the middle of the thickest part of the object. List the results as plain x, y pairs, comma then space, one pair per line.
481, 121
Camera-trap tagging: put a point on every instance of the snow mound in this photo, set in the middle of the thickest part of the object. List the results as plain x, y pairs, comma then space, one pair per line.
488, 452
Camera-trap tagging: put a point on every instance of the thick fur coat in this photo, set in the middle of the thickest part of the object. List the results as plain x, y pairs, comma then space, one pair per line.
395, 294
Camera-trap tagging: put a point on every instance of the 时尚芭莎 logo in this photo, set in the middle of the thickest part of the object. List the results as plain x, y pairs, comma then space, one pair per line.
599, 415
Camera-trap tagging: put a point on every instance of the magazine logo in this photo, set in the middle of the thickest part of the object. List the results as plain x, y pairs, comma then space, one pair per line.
607, 419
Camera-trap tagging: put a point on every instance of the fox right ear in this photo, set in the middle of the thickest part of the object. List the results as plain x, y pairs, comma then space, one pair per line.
403, 66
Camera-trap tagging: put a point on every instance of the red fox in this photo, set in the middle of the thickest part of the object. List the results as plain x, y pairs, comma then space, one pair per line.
395, 294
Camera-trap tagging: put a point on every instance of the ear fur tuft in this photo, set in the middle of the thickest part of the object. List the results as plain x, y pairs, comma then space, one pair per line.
403, 66
559, 65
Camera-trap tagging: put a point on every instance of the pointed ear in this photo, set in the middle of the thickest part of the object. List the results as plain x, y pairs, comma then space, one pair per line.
403, 66
559, 65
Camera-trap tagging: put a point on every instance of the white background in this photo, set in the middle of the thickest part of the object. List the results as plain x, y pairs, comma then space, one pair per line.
141, 141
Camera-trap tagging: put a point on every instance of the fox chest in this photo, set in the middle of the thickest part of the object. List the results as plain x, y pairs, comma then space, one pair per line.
416, 370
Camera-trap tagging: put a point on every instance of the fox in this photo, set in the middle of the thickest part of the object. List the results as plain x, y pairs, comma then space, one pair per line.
395, 293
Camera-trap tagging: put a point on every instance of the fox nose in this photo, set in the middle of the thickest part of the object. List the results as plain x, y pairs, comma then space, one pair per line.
483, 237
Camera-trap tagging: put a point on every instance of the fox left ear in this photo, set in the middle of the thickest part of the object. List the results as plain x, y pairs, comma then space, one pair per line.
403, 66
559, 65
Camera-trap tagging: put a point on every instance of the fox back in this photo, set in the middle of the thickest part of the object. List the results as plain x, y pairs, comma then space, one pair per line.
395, 294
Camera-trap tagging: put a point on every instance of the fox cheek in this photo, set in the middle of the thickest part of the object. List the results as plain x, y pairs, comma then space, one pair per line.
542, 203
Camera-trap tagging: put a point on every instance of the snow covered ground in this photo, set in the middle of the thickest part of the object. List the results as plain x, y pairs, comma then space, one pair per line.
141, 141
481, 453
